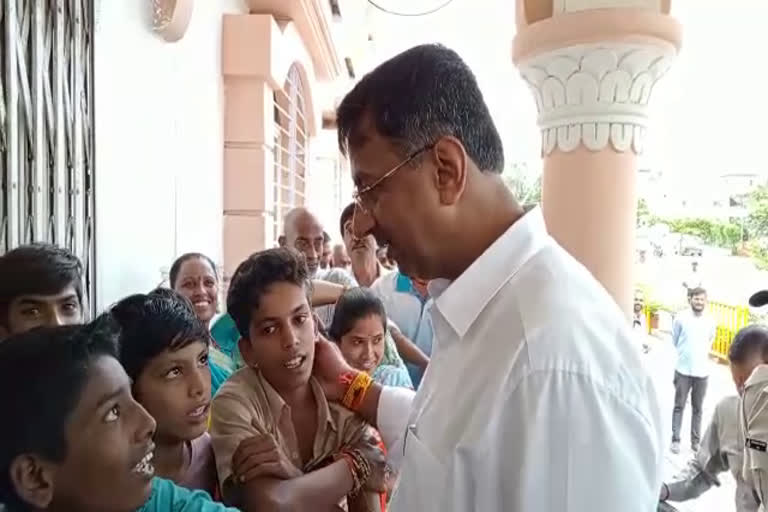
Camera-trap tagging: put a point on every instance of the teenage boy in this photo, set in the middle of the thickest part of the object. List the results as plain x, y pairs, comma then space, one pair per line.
40, 285
73, 437
297, 448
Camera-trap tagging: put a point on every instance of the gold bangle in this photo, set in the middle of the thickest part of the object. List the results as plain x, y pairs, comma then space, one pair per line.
356, 391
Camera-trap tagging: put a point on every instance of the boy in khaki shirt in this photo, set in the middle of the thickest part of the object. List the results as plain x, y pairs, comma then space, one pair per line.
277, 440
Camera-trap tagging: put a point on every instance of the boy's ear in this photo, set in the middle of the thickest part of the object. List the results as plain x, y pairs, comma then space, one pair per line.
33, 479
244, 344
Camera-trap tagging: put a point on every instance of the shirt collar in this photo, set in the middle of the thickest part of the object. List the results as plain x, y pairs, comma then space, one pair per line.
758, 376
462, 300
278, 406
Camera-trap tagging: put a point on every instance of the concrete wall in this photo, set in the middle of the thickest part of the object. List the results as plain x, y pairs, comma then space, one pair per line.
159, 132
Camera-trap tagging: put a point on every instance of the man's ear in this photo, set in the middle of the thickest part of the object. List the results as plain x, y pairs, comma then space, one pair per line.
33, 480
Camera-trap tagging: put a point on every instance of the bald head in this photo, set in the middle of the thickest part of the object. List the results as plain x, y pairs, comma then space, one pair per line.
303, 232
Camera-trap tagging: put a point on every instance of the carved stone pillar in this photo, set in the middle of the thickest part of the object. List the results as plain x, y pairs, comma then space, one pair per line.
591, 66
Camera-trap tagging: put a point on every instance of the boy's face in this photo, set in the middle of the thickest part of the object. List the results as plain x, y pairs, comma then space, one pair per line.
108, 436
26, 312
282, 337
175, 388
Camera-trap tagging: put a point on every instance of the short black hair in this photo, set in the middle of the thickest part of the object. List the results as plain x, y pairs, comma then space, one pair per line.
173, 275
42, 376
346, 215
354, 304
326, 237
256, 274
418, 96
750, 341
37, 269
696, 291
152, 323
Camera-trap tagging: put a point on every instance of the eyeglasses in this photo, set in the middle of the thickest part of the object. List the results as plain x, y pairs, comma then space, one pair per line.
359, 195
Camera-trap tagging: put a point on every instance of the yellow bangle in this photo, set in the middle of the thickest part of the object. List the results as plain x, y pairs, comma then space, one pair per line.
356, 391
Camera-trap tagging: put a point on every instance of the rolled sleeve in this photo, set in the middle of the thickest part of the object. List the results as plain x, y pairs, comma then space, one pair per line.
393, 413
231, 423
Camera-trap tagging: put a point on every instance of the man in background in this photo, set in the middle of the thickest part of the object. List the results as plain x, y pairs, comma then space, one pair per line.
693, 332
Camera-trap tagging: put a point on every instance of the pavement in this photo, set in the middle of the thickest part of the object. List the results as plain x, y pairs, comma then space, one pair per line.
660, 362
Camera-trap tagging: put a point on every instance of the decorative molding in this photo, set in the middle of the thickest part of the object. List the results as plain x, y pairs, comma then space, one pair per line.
170, 18
596, 93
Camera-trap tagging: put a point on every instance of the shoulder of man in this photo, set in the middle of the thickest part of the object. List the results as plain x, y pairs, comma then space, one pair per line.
338, 276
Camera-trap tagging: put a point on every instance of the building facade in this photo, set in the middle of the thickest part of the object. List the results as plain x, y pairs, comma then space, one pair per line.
175, 127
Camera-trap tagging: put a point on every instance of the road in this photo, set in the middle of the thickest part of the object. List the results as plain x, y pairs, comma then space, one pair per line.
728, 279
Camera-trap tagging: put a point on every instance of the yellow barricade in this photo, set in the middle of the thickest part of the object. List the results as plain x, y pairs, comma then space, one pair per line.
729, 320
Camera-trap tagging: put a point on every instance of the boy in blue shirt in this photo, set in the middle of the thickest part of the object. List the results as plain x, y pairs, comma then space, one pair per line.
73, 437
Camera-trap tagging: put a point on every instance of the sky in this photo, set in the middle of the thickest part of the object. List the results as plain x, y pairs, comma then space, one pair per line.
708, 115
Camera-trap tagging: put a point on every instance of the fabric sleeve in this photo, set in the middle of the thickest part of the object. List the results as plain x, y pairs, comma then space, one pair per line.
231, 423
755, 413
392, 421
701, 473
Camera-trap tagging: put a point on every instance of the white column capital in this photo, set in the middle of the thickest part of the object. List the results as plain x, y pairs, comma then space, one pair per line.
595, 94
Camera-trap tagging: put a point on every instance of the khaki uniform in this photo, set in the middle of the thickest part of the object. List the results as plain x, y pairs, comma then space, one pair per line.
247, 405
754, 417
722, 449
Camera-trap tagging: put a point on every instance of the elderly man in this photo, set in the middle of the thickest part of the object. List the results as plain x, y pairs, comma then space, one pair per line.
340, 257
535, 399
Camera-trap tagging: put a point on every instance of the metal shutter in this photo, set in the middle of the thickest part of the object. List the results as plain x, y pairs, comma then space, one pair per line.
46, 127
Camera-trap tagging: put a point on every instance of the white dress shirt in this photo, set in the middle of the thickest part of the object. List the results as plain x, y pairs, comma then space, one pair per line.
535, 399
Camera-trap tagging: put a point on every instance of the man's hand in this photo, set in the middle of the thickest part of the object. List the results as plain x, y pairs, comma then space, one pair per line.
260, 456
329, 367
372, 448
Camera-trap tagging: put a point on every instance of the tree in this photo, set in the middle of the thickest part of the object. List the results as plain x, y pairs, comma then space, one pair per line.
643, 213
524, 184
757, 212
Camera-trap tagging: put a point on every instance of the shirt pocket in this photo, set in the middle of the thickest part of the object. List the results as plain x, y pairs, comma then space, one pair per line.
422, 480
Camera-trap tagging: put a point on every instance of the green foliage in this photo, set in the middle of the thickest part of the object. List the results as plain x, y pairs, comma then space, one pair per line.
524, 183
713, 232
757, 206
644, 216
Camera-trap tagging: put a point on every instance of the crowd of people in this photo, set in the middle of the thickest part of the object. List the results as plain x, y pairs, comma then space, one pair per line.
448, 355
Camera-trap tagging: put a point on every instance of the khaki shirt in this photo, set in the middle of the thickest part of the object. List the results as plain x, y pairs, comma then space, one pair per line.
722, 449
754, 416
247, 405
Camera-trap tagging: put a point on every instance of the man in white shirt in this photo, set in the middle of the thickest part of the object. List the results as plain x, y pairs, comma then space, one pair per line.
535, 399
693, 332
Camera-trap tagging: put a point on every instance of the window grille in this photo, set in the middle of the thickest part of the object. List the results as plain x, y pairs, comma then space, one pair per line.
290, 148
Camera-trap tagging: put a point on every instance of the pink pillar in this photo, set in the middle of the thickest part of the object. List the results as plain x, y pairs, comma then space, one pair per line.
591, 65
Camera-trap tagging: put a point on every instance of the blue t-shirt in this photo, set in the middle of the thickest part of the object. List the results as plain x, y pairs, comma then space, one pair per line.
169, 497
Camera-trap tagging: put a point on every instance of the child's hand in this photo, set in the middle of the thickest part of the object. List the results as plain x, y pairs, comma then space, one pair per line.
260, 456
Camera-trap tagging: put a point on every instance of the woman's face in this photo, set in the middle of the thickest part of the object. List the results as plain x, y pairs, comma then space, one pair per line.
197, 282
175, 388
363, 345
